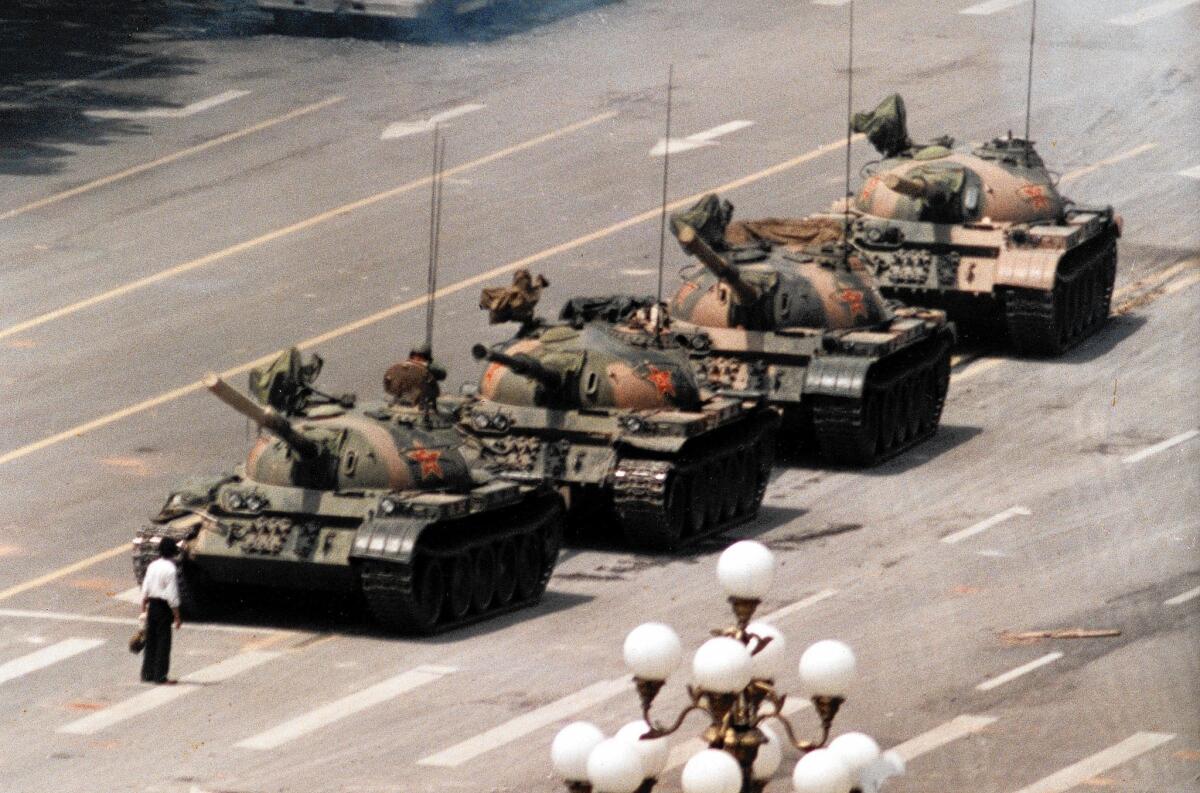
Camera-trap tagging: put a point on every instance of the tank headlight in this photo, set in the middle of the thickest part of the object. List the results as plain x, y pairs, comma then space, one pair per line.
255, 502
632, 424
481, 421
501, 422
236, 501
388, 507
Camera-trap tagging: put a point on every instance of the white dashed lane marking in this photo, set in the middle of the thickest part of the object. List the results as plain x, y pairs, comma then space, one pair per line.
699, 139
162, 695
991, 7
1191, 173
1149, 451
1183, 597
958, 727
171, 112
47, 656
788, 610
1077, 774
984, 525
1150, 12
346, 706
402, 129
1013, 674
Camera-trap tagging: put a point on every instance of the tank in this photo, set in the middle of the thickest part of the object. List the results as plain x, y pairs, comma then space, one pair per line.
611, 410
855, 378
383, 500
984, 233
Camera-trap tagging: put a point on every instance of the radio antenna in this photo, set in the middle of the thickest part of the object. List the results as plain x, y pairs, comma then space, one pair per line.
662, 224
435, 230
1029, 78
849, 126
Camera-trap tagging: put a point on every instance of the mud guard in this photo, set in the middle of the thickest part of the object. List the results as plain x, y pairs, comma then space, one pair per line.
387, 539
837, 376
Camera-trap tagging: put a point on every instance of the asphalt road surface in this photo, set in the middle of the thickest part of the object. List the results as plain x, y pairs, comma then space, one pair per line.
186, 189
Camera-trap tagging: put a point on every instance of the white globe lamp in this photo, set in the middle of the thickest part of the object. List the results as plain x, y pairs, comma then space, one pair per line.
768, 662
653, 752
857, 750
746, 570
614, 767
652, 651
770, 755
827, 669
820, 771
722, 666
712, 771
571, 747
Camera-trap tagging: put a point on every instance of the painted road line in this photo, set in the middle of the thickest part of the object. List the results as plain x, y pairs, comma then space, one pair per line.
986, 524
697, 140
59, 616
170, 158
1071, 776
1191, 173
68, 84
1113, 160
64, 571
1183, 283
346, 706
991, 7
302, 225
527, 723
975, 367
830, 2
170, 112
788, 610
402, 129
162, 695
1150, 12
1183, 597
40, 659
1013, 674
681, 753
131, 595
958, 727
387, 313
1149, 451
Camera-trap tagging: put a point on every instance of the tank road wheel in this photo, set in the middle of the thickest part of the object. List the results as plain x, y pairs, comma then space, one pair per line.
485, 574
529, 567
746, 475
694, 508
729, 487
415, 611
916, 403
713, 500
506, 571
460, 586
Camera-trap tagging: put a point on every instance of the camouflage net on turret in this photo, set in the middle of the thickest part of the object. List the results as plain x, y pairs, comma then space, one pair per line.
792, 232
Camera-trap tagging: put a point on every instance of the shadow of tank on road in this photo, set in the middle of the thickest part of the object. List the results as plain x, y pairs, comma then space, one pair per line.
948, 437
48, 45
505, 19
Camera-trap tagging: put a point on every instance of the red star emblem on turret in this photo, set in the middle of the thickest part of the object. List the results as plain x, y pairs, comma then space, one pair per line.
854, 299
1035, 194
661, 379
430, 461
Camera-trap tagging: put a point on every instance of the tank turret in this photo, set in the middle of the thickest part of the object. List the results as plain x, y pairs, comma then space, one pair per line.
265, 417
522, 365
691, 242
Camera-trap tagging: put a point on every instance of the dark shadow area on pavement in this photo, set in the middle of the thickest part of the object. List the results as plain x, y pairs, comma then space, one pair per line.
48, 45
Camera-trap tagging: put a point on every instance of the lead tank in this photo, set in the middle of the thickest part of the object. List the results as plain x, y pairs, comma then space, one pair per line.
985, 234
613, 413
385, 500
855, 379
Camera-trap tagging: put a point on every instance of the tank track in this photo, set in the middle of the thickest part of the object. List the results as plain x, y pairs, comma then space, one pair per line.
901, 406
665, 504
523, 544
1046, 324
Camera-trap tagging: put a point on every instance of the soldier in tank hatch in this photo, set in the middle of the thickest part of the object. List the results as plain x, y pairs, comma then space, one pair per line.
414, 382
160, 607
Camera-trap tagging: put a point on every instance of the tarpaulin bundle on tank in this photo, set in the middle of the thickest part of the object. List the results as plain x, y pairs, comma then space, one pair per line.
611, 308
287, 382
885, 126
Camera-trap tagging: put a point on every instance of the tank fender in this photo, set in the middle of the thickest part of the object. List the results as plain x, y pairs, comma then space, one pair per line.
389, 539
1033, 268
837, 375
654, 443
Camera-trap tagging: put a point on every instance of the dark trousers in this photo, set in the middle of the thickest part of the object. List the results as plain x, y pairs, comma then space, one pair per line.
156, 658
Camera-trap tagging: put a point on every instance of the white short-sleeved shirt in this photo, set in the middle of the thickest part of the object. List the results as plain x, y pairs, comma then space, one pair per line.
160, 582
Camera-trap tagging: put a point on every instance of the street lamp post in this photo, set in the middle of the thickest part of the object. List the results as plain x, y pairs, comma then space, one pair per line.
733, 685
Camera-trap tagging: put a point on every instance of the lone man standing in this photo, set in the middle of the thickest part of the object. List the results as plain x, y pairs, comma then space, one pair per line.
160, 607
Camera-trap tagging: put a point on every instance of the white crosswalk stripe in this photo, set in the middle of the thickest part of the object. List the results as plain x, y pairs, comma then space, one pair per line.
346, 706
46, 656
991, 7
1013, 674
958, 727
529, 722
1073, 775
162, 695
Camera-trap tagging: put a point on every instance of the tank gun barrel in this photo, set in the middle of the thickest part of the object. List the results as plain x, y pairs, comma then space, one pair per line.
523, 365
694, 245
915, 187
265, 417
